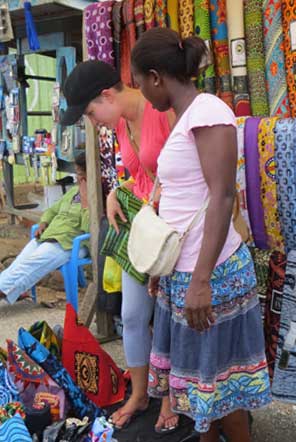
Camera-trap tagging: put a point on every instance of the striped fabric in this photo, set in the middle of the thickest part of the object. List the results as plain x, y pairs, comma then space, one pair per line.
117, 27
116, 245
173, 11
274, 59
149, 8
14, 430
186, 18
255, 57
203, 30
288, 20
139, 17
128, 40
236, 39
161, 13
221, 51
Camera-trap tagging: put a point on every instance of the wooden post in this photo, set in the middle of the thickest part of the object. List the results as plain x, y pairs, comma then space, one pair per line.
95, 202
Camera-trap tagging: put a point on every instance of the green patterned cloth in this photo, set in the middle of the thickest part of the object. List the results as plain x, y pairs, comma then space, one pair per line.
255, 57
116, 245
261, 262
206, 81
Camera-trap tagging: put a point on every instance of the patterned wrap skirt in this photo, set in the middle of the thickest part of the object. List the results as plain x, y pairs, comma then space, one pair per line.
211, 374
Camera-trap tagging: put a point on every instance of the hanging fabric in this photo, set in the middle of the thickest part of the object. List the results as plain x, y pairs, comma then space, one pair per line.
284, 381
125, 48
241, 170
261, 263
254, 202
139, 17
221, 51
161, 13
274, 59
108, 171
266, 144
32, 36
289, 28
207, 81
236, 41
117, 28
149, 8
285, 159
130, 26
186, 18
173, 13
275, 285
255, 57
98, 31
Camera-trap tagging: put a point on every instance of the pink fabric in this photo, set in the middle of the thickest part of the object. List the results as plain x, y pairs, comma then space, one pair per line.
184, 188
154, 133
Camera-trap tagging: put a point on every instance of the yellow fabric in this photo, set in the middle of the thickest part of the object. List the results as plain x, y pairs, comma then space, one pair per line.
149, 8
186, 18
267, 166
173, 12
112, 276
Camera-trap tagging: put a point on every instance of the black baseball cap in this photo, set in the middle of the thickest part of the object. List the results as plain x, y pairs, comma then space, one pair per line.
87, 80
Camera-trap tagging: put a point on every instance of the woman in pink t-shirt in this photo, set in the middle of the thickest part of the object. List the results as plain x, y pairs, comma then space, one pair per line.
208, 346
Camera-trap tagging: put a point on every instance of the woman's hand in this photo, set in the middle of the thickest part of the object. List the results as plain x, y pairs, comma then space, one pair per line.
40, 230
198, 306
113, 210
153, 286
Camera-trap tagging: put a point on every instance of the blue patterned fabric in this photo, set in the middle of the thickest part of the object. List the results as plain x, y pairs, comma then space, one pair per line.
223, 369
14, 430
81, 405
284, 381
8, 391
285, 158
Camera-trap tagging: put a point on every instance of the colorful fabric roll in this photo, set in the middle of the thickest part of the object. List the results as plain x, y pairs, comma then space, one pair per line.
44, 334
139, 17
236, 41
285, 159
289, 30
275, 285
173, 11
186, 18
207, 81
149, 8
98, 31
274, 59
284, 381
255, 57
241, 186
254, 203
117, 27
14, 430
266, 143
161, 13
8, 391
261, 263
221, 51
108, 171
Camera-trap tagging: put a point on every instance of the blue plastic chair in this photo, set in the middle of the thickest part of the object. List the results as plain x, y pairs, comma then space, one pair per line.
72, 271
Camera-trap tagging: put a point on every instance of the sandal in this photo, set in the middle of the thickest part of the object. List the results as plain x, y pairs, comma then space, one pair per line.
162, 428
130, 416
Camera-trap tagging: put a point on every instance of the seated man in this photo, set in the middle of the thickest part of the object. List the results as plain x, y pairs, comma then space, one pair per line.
51, 247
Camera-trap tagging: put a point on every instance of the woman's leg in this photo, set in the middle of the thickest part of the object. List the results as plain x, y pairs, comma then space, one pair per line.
236, 426
137, 309
212, 435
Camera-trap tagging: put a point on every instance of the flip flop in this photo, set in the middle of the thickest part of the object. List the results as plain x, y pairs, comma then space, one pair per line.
162, 429
131, 416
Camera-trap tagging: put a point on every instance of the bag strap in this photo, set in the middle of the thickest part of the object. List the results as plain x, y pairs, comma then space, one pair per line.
196, 217
136, 150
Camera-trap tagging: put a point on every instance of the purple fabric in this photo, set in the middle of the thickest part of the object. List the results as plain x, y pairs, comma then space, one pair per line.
98, 31
253, 183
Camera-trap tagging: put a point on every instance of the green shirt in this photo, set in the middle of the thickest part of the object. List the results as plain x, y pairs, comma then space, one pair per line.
66, 220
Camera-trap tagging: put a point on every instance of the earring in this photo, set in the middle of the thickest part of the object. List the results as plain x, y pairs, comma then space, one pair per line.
156, 84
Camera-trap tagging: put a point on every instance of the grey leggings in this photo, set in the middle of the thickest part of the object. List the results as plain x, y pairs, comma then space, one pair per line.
136, 312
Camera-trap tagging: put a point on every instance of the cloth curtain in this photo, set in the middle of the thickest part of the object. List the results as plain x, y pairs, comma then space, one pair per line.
186, 18
275, 59
285, 159
255, 57
289, 30
98, 31
236, 41
266, 143
254, 202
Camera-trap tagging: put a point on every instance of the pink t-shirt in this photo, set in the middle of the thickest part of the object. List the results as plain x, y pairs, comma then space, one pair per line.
154, 133
184, 189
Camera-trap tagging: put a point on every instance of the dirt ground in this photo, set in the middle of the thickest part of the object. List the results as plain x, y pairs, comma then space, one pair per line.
276, 423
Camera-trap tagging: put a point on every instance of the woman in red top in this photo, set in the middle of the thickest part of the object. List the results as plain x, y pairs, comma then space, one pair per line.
94, 88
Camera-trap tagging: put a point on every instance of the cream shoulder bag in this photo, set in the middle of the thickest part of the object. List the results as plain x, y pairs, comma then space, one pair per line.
153, 246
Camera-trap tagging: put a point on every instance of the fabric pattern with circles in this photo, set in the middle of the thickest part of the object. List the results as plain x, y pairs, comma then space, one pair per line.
255, 57
288, 20
266, 144
149, 9
98, 31
285, 158
139, 17
161, 13
186, 18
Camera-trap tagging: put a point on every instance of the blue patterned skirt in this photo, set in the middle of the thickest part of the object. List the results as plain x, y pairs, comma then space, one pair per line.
211, 374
